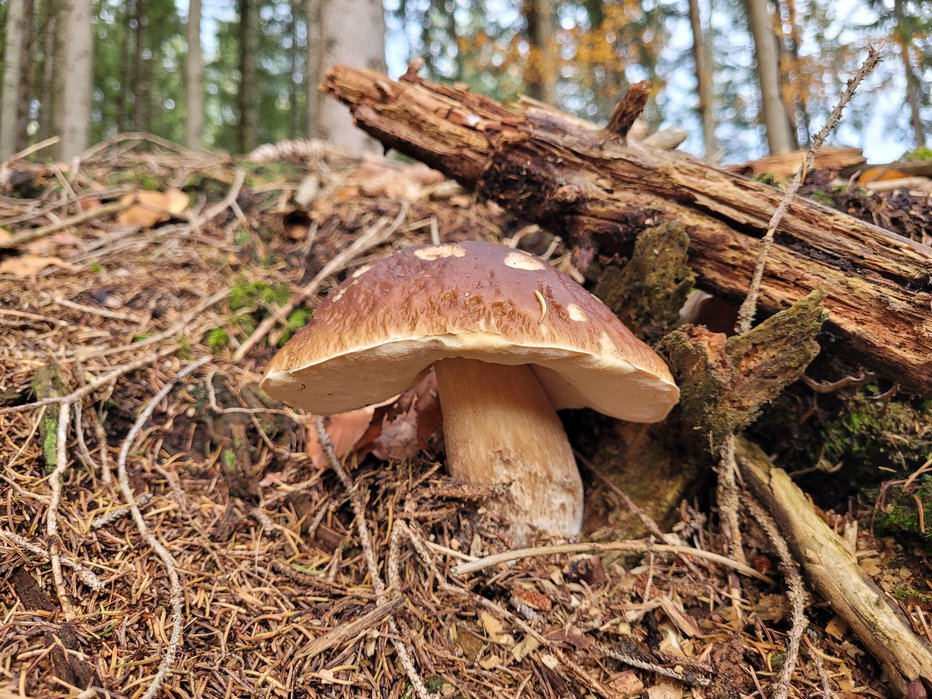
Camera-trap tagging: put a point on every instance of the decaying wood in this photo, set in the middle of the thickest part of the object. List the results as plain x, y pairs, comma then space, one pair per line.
628, 109
649, 291
599, 194
725, 380
784, 165
835, 573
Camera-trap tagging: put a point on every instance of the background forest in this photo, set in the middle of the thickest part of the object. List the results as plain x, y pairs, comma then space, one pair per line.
741, 77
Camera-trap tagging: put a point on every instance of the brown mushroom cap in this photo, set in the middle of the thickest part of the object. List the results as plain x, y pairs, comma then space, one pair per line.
384, 326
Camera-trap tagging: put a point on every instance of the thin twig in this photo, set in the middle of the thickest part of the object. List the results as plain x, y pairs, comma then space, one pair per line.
376, 235
177, 592
795, 592
749, 307
634, 546
19, 239
118, 512
51, 515
404, 655
84, 574
102, 380
688, 679
726, 494
352, 630
34, 148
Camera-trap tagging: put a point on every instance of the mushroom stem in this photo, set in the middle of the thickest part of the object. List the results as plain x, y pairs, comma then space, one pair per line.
500, 428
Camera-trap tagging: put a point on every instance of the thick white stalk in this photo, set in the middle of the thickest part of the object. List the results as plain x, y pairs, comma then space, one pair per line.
500, 428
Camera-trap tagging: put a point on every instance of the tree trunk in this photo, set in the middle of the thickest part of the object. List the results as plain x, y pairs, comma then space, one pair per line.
913, 87
138, 93
75, 76
27, 82
701, 58
803, 127
540, 75
194, 80
352, 33
12, 78
313, 67
248, 75
293, 86
600, 192
46, 79
776, 123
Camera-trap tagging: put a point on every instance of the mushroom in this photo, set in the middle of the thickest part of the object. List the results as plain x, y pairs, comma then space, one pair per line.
511, 341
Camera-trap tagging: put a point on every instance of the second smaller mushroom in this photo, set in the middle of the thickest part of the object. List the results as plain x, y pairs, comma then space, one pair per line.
511, 340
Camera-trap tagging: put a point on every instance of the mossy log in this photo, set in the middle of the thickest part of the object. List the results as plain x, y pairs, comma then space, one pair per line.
600, 191
836, 575
725, 380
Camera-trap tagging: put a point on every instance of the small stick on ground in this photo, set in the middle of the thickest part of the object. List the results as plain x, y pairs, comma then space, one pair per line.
84, 575
51, 515
177, 592
688, 679
634, 546
353, 629
404, 655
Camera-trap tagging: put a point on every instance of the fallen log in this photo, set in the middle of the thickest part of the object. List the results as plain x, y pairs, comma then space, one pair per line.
592, 186
835, 573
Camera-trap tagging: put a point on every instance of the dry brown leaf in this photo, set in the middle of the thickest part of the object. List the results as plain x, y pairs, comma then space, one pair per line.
493, 628
533, 599
665, 689
31, 265
626, 685
527, 646
147, 208
836, 628
468, 642
344, 430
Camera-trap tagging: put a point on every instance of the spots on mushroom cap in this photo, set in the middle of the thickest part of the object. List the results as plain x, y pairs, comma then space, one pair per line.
576, 313
435, 252
520, 260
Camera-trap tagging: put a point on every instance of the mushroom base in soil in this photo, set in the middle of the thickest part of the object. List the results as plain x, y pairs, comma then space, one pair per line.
499, 427
511, 340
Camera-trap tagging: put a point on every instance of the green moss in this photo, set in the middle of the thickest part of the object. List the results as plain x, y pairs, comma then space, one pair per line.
258, 293
95, 268
879, 433
907, 512
246, 323
50, 442
140, 180
217, 339
767, 178
242, 237
229, 458
296, 320
921, 153
648, 292
822, 197
911, 595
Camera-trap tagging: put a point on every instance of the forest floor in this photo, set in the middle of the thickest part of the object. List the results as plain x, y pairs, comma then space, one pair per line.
201, 531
